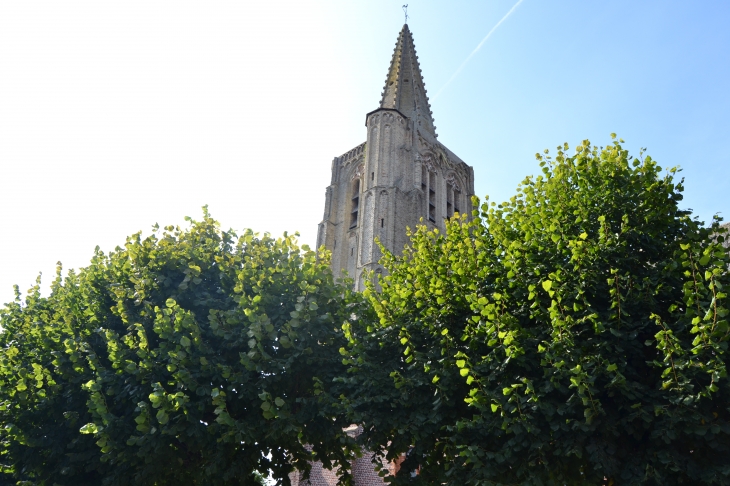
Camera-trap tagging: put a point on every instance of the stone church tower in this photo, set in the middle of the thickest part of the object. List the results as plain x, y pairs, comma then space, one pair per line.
399, 176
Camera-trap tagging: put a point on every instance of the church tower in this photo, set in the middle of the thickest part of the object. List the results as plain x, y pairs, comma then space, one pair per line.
399, 176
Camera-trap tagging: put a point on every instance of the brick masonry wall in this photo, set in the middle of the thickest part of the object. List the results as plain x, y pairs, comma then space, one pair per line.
363, 472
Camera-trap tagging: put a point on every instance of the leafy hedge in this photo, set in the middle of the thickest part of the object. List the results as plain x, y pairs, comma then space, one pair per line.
189, 357
575, 334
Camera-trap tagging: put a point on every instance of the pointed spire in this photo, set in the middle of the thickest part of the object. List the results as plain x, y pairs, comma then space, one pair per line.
404, 87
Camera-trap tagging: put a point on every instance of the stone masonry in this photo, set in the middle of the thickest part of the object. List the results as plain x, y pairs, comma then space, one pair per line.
399, 176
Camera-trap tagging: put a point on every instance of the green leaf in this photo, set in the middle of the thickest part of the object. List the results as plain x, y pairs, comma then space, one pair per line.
89, 428
547, 285
162, 417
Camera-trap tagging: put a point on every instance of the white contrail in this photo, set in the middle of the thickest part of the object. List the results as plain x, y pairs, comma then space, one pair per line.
477, 49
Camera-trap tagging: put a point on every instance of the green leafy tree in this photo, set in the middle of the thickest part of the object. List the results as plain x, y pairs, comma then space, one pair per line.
576, 334
188, 357
41, 402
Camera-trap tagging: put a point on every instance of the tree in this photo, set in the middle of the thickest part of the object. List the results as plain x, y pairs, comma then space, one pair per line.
41, 402
188, 357
576, 334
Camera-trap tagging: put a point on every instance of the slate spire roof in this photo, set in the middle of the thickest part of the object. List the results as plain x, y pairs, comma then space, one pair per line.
404, 87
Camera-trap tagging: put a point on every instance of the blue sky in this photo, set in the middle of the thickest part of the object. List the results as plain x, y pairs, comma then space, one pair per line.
656, 73
116, 116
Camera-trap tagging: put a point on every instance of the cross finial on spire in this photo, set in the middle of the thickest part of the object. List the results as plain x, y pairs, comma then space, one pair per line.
405, 10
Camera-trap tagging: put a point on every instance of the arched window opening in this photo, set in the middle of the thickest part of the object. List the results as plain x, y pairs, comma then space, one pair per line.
449, 200
432, 197
355, 203
453, 199
453, 196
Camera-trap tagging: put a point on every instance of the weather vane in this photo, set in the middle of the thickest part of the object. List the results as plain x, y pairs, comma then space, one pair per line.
405, 10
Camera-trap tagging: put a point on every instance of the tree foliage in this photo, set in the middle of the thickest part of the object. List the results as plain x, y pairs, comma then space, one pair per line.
574, 333
188, 357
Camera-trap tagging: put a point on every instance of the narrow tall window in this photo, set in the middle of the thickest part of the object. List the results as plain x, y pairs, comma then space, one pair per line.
457, 201
424, 185
355, 203
432, 197
449, 200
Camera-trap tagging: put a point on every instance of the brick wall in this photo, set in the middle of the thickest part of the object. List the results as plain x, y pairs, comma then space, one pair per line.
363, 470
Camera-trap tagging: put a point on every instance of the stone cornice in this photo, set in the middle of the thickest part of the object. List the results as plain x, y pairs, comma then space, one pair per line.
383, 109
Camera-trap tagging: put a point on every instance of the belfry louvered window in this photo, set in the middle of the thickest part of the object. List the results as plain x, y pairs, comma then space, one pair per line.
432, 197
453, 199
449, 200
428, 186
355, 203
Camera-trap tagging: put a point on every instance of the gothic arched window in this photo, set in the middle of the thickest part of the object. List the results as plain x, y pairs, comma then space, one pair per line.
428, 186
449, 200
355, 202
453, 197
432, 196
